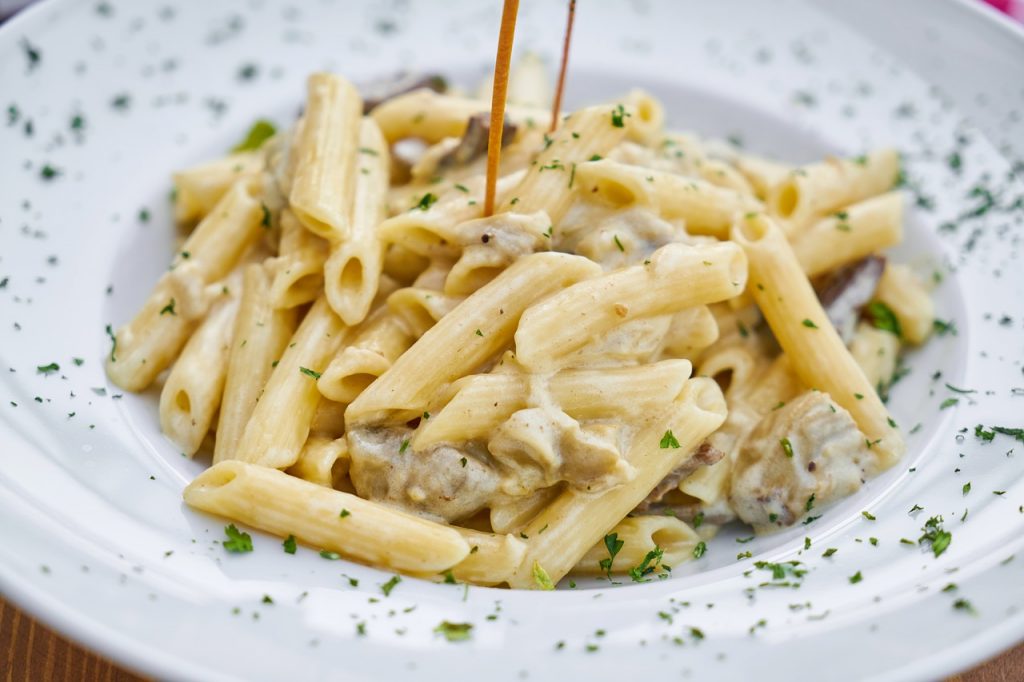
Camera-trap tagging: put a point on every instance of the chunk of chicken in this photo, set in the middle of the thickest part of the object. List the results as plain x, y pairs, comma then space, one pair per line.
809, 447
539, 447
442, 483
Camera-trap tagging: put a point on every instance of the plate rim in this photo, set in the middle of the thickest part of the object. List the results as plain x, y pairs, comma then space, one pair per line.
123, 649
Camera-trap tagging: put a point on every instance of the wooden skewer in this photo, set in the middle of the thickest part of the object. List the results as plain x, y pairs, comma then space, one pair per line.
556, 107
501, 68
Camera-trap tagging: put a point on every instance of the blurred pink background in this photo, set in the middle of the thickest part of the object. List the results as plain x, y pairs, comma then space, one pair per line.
1015, 8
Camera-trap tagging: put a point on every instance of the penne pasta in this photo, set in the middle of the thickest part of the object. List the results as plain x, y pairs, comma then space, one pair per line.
809, 340
352, 273
324, 157
285, 505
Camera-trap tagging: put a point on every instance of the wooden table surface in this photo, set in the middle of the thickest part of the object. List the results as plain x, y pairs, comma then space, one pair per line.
32, 652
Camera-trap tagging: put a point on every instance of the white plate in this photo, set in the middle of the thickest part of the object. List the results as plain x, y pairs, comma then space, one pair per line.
95, 540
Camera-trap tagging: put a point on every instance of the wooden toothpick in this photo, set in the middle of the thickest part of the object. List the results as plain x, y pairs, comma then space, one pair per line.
501, 68
557, 105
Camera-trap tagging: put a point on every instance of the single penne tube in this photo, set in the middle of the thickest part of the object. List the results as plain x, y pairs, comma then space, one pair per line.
431, 117
323, 461
284, 505
817, 354
480, 403
261, 333
876, 351
431, 227
403, 265
648, 126
151, 341
324, 155
198, 189
528, 83
375, 346
329, 419
281, 420
299, 269
474, 331
352, 272
676, 277
420, 309
904, 293
576, 521
721, 174
706, 208
192, 393
690, 332
640, 535
856, 232
762, 174
511, 514
492, 558
813, 191
549, 183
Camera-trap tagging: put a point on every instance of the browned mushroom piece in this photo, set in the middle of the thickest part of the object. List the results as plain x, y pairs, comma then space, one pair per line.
473, 144
846, 291
381, 90
704, 454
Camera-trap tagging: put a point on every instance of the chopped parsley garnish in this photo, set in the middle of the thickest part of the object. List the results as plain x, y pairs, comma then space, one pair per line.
454, 632
48, 172
261, 131
948, 402
699, 549
330, 556
698, 519
960, 390
462, 188
48, 369
595, 157
935, 536
289, 544
829, 552
669, 440
942, 328
868, 515
169, 308
309, 373
404, 446
989, 435
426, 201
809, 324
810, 503
649, 565
856, 578
613, 544
478, 332
882, 317
265, 220
32, 54
787, 447
619, 244
344, 513
367, 150
238, 541
793, 570
618, 116
541, 577
967, 488
964, 605
390, 585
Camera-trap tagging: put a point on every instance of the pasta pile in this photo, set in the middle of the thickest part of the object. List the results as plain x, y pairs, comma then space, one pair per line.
384, 374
